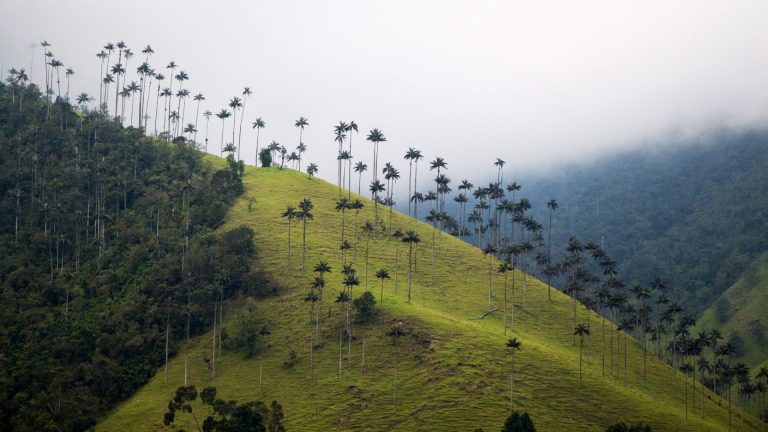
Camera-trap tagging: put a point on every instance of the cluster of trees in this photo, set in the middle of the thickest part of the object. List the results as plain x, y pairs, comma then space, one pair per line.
223, 415
107, 245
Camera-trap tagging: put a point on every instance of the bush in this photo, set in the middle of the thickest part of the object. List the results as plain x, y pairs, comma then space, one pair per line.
623, 427
517, 422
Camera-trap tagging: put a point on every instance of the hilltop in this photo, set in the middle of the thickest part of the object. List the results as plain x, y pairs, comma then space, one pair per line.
452, 367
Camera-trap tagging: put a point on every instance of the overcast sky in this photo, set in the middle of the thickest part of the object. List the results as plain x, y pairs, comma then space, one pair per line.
535, 83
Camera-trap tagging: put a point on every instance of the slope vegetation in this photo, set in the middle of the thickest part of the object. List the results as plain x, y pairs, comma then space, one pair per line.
740, 314
453, 370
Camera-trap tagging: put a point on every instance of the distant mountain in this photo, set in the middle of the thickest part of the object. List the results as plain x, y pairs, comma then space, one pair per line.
695, 215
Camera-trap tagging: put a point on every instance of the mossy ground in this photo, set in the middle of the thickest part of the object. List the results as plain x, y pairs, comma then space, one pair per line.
453, 369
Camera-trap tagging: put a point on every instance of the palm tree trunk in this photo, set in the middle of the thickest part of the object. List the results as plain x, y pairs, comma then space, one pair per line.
410, 270
581, 348
213, 351
261, 368
167, 336
505, 303
512, 381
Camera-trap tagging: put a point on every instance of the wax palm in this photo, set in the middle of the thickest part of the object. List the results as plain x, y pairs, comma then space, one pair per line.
367, 230
376, 136
360, 168
581, 331
198, 98
246, 92
376, 187
301, 123
258, 124
351, 127
159, 78
117, 72
411, 239
207, 114
235, 103
68, 73
342, 299
488, 251
264, 331
312, 169
305, 214
513, 344
289, 214
300, 150
382, 274
505, 268
223, 115
83, 99
395, 332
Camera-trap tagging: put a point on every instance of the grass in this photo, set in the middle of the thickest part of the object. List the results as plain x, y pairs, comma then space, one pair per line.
744, 311
453, 368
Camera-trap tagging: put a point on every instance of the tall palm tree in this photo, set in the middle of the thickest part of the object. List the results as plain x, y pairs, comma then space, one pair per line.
198, 98
342, 299
686, 369
159, 78
505, 268
312, 169
172, 66
101, 55
396, 332
360, 168
83, 99
117, 72
514, 345
343, 205
181, 77
235, 103
305, 214
207, 114
376, 188
300, 150
264, 331
499, 163
367, 230
258, 124
552, 206
246, 92
289, 214
223, 115
411, 239
581, 331
301, 123
488, 251
340, 131
68, 73
376, 136
382, 274
351, 127
313, 298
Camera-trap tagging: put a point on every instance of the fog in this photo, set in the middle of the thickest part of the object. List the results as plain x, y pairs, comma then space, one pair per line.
539, 84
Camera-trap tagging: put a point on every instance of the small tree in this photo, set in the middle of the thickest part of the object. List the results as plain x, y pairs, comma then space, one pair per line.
517, 422
265, 156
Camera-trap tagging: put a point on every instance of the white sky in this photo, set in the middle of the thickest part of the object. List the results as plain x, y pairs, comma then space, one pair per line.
535, 83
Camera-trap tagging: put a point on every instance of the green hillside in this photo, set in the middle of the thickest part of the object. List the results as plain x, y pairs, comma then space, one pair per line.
740, 313
453, 368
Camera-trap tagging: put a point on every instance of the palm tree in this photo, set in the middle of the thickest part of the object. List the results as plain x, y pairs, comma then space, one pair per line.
246, 92
686, 369
101, 56
376, 136
340, 130
83, 99
367, 230
499, 163
351, 127
376, 188
382, 274
223, 115
207, 114
552, 206
395, 332
488, 251
762, 384
263, 332
581, 331
235, 103
411, 239
117, 71
199, 98
290, 214
300, 149
305, 208
68, 73
342, 205
312, 169
360, 168
313, 298
258, 125
300, 123
514, 345
505, 268
342, 299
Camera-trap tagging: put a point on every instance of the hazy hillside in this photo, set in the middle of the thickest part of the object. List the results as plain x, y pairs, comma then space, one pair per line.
741, 313
695, 214
453, 369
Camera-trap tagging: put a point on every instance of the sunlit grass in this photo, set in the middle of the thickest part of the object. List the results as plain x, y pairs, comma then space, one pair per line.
453, 368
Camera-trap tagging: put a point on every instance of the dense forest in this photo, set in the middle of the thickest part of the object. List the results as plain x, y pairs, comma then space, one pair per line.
107, 240
695, 215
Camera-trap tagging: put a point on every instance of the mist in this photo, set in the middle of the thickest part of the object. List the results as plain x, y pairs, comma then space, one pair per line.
538, 85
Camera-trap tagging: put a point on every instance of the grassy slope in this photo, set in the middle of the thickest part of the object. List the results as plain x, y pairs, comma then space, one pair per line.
748, 300
454, 371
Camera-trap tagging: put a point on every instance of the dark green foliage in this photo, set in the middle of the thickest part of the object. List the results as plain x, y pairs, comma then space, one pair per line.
623, 427
722, 310
364, 306
265, 156
517, 422
225, 415
694, 215
94, 272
